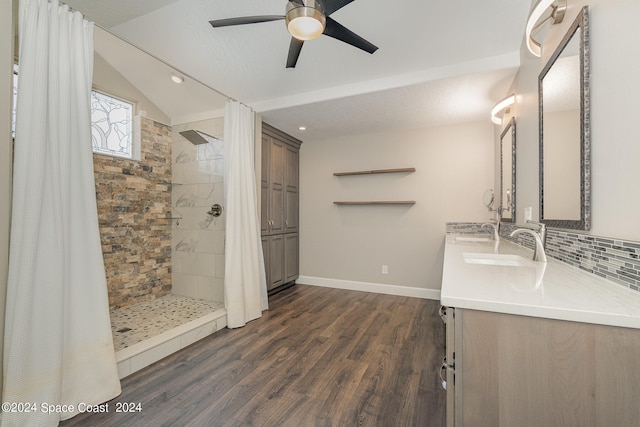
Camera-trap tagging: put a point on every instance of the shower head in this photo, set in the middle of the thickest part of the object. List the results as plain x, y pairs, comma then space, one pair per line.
196, 137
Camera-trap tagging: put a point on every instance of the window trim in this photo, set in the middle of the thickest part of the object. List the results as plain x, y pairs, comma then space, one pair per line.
136, 128
136, 145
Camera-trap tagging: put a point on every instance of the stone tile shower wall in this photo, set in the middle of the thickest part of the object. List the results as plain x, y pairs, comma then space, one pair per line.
134, 203
198, 238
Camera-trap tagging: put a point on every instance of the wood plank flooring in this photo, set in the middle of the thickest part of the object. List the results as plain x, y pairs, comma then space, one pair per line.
318, 357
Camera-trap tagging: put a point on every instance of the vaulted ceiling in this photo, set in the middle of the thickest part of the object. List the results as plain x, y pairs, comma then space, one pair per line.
438, 62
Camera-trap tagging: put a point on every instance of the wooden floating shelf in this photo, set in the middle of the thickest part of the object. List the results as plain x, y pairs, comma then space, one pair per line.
375, 171
381, 202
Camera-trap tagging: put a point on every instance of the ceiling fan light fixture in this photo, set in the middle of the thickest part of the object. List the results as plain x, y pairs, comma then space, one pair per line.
305, 22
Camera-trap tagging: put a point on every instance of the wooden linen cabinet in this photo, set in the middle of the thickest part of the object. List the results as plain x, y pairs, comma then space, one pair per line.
280, 207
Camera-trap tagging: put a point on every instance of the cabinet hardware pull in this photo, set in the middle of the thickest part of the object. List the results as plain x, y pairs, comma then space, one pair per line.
443, 313
443, 368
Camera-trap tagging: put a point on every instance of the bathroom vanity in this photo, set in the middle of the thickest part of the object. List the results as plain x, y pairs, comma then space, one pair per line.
536, 344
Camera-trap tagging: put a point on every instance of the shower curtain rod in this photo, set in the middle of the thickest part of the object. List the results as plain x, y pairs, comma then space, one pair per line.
165, 62
16, 58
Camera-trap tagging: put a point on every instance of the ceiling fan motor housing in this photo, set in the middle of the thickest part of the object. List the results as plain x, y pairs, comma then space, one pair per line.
305, 22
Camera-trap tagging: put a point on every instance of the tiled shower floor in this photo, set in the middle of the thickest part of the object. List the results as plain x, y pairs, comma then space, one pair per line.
136, 323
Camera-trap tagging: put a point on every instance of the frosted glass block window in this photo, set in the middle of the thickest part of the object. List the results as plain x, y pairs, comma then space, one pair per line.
111, 126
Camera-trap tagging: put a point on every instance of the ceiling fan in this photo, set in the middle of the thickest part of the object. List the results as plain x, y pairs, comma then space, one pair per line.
306, 20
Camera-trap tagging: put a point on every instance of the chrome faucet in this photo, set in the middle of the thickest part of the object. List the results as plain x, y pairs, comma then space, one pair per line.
542, 231
496, 229
539, 237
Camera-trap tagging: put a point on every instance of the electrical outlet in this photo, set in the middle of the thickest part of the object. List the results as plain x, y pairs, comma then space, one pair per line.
385, 269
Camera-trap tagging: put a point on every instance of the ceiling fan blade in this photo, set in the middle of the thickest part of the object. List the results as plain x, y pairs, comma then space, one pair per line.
294, 52
244, 20
331, 6
339, 32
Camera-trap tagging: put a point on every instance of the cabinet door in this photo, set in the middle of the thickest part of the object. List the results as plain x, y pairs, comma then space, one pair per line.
266, 256
276, 186
291, 189
291, 262
450, 359
530, 372
264, 184
276, 261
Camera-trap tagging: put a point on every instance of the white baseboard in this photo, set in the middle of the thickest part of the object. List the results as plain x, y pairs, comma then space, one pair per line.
405, 291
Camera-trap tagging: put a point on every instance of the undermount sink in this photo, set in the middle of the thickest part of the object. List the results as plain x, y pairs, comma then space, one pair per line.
497, 259
472, 239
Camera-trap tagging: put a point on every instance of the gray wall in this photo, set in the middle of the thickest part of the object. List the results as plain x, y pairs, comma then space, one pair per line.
338, 244
615, 113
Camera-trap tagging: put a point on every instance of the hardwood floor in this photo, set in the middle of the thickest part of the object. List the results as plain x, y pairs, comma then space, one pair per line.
318, 357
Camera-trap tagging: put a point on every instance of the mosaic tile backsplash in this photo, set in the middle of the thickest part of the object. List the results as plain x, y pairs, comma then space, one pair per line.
614, 259
136, 323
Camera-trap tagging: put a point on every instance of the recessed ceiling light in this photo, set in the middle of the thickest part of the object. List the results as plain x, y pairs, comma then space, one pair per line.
302, 128
177, 78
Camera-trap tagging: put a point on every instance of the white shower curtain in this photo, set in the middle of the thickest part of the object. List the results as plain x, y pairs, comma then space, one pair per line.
58, 347
245, 286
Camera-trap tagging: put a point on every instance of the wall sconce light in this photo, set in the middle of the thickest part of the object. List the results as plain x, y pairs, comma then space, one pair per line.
558, 8
500, 106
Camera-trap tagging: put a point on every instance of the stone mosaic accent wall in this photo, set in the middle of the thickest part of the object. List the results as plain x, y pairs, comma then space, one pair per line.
134, 206
614, 259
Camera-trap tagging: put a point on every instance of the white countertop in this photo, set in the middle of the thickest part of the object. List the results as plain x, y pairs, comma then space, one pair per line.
554, 290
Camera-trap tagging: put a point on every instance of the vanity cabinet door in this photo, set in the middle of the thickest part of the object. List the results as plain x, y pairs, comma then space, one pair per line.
530, 372
449, 364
